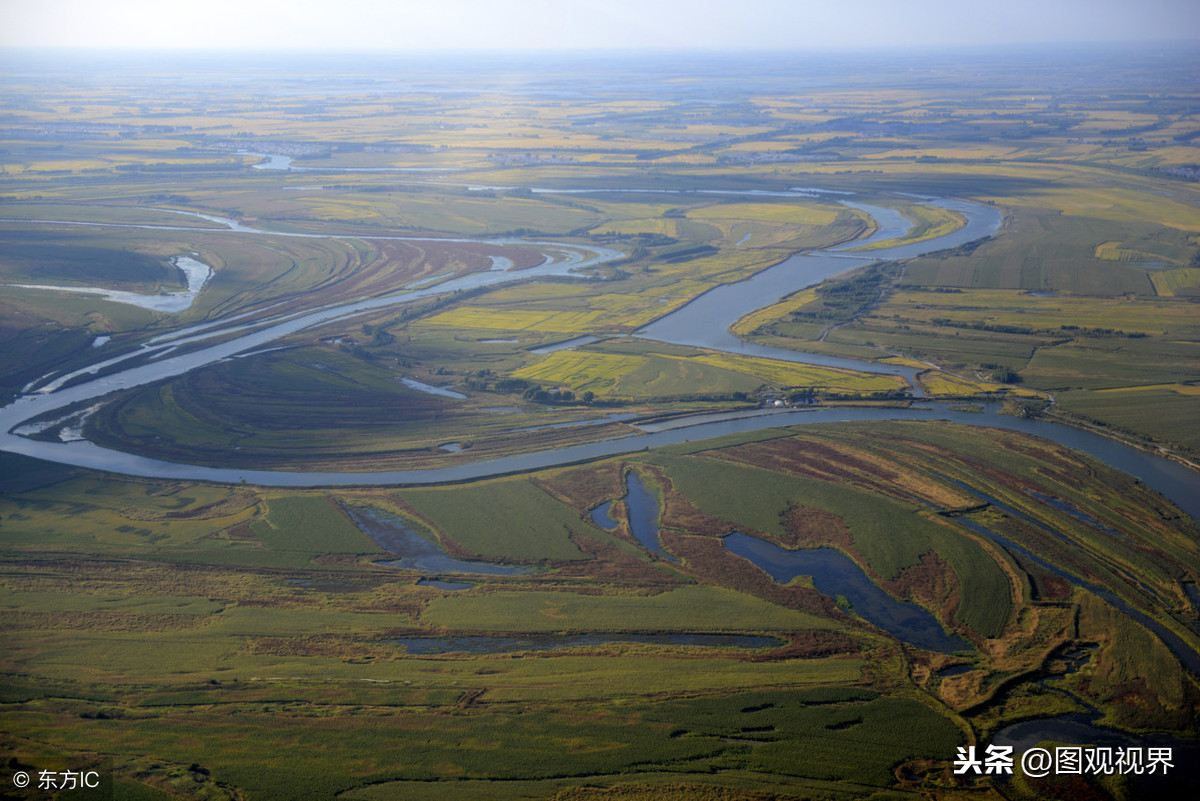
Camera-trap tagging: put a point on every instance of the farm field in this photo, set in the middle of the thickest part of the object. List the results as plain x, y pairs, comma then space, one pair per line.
456, 263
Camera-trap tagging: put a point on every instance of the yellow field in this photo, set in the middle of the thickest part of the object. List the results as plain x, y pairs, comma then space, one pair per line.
649, 225
578, 312
796, 213
769, 314
965, 150
1073, 189
343, 210
929, 222
903, 362
580, 369
629, 210
1108, 119
944, 384
747, 234
109, 162
1168, 282
789, 374
564, 322
611, 374
1112, 251
1182, 389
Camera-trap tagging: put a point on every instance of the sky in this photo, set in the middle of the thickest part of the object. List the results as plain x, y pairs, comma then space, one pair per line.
411, 26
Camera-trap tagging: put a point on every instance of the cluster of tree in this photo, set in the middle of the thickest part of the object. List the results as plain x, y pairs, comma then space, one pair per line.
843, 300
539, 395
380, 336
1103, 332
685, 252
979, 325
529, 390
643, 239
1005, 375
478, 380
805, 395
999, 328
883, 394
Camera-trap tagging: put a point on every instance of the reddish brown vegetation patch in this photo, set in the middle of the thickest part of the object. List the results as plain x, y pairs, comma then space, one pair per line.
708, 559
931, 582
1067, 788
587, 487
613, 565
802, 457
1046, 585
678, 792
241, 532
319, 645
847, 465
812, 645
679, 513
809, 527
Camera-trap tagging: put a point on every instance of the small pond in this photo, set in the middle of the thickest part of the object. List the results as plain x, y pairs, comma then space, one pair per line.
442, 584
643, 515
394, 534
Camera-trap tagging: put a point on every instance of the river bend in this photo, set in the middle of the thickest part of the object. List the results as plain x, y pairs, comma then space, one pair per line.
704, 323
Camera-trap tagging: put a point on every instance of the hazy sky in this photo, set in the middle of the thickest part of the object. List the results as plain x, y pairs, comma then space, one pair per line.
419, 25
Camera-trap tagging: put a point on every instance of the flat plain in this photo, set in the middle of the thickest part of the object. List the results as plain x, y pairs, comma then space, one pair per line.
516, 636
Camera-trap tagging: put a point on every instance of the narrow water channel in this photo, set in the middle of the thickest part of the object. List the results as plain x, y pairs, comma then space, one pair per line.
1083, 730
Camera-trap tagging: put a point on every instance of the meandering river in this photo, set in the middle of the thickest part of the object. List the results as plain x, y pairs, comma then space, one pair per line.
704, 322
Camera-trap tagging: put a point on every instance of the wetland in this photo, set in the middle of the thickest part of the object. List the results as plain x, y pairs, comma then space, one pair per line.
681, 428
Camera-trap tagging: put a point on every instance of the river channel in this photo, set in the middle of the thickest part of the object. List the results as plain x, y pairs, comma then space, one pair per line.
703, 322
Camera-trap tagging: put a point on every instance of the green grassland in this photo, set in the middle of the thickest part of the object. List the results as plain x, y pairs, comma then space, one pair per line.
703, 609
255, 609
197, 629
505, 518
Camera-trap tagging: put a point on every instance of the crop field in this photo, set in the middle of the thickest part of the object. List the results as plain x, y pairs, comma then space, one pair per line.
1166, 415
560, 633
1073, 310
928, 222
665, 375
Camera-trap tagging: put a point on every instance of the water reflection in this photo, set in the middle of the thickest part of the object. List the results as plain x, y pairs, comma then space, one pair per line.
602, 516
643, 510
1082, 730
834, 574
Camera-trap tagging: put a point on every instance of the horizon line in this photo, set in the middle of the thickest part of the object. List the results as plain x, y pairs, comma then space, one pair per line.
974, 47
